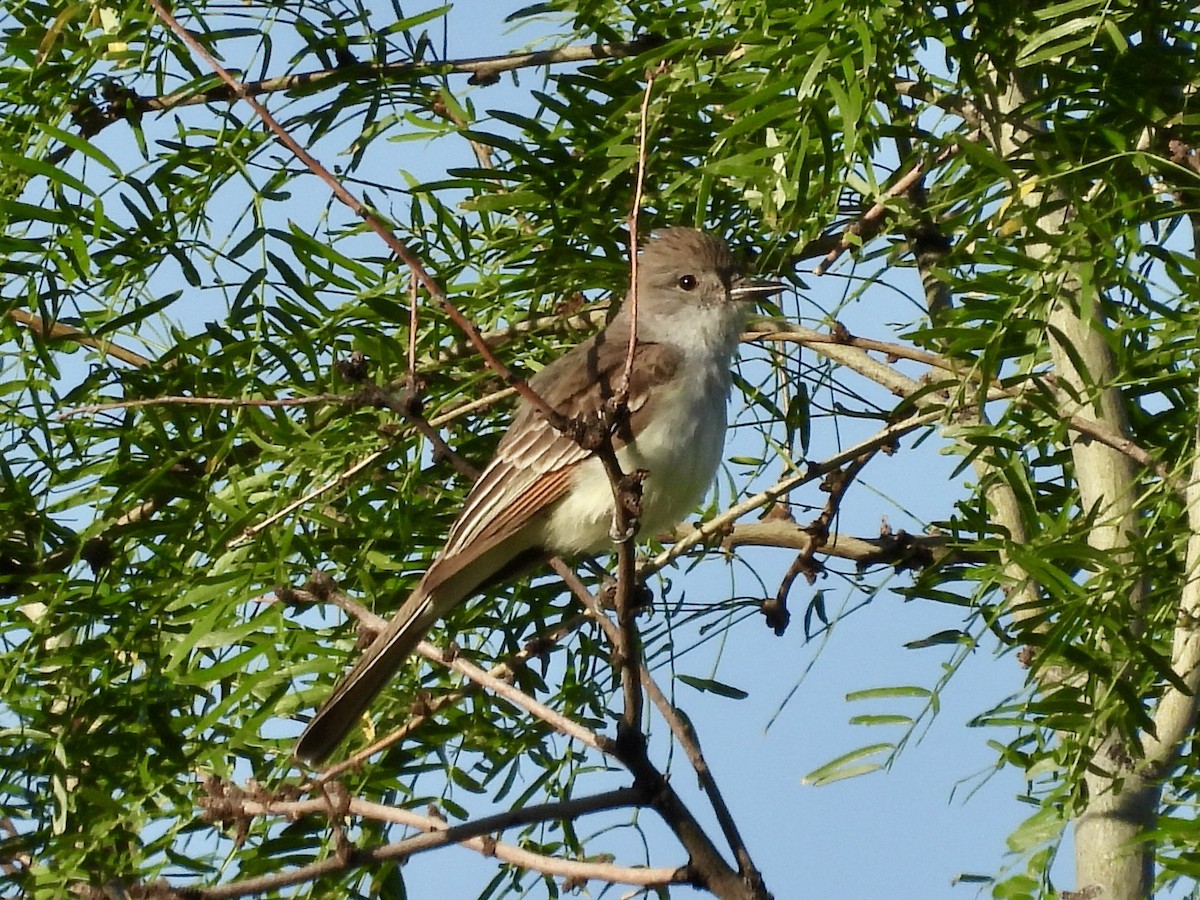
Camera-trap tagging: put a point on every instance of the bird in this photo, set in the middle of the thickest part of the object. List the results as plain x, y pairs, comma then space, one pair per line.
543, 494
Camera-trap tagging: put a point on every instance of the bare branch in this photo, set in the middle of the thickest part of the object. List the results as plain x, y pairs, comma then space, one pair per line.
626, 493
475, 835
518, 697
342, 477
707, 867
837, 483
899, 549
492, 680
398, 247
481, 69
228, 402
840, 346
505, 670
716, 525
1177, 710
871, 222
639, 185
686, 735
58, 331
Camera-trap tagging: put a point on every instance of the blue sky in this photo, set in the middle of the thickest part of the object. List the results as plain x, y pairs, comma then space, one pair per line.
903, 834
906, 833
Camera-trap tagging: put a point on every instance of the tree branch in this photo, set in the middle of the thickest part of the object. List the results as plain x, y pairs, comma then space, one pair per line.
482, 69
872, 221
376, 224
504, 671
899, 549
474, 835
707, 868
717, 525
1113, 849
839, 346
58, 331
690, 741
492, 680
1177, 710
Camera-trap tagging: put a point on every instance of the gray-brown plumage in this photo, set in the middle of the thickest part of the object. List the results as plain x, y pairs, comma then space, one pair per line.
542, 494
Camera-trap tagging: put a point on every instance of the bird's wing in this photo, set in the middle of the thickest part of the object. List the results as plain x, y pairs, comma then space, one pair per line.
534, 462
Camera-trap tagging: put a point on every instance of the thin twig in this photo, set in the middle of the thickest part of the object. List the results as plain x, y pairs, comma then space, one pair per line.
493, 682
230, 402
708, 869
397, 246
504, 670
411, 413
474, 835
627, 647
518, 697
870, 222
836, 345
716, 525
635, 212
810, 337
342, 477
464, 409
628, 650
58, 331
412, 334
837, 483
482, 69
707, 865
686, 735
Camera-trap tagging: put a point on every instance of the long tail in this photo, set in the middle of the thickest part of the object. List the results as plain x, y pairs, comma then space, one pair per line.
447, 582
373, 670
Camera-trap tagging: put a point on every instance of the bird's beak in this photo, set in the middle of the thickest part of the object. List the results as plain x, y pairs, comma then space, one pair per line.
751, 290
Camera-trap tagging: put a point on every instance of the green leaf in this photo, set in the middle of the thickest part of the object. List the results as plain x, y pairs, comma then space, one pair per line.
850, 765
1059, 40
940, 638
881, 720
887, 693
710, 686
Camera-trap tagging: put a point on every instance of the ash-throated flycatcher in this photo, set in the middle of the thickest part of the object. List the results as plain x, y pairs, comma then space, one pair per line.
542, 494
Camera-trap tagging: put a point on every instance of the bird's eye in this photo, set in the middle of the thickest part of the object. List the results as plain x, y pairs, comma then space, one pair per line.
687, 282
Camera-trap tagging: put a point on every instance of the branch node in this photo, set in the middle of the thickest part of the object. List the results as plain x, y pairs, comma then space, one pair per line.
320, 585
354, 368
776, 612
